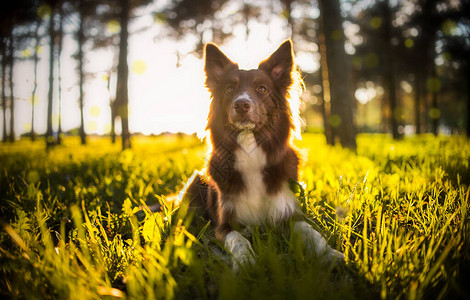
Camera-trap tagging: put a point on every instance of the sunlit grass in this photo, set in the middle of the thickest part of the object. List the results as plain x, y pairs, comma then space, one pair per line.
76, 223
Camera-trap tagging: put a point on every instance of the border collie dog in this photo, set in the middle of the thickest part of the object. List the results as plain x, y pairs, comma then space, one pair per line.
250, 123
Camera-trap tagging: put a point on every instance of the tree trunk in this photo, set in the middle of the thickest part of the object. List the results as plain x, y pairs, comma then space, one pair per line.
81, 41
434, 112
49, 134
113, 121
326, 104
395, 111
426, 111
339, 75
4, 97
417, 103
122, 94
112, 105
59, 70
12, 96
35, 83
468, 97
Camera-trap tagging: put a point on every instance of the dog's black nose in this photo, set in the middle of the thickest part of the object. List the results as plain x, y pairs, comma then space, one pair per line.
242, 106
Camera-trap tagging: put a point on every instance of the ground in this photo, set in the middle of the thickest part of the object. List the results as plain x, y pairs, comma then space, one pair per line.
76, 223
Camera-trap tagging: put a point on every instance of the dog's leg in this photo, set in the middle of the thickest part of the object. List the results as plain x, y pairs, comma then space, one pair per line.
314, 241
240, 248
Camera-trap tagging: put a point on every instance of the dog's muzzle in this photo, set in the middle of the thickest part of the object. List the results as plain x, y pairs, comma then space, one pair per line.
242, 112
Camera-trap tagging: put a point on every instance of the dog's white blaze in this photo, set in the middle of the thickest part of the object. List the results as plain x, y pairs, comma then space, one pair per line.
254, 204
250, 161
243, 95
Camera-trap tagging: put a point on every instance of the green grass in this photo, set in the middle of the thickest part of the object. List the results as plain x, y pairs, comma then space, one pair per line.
76, 223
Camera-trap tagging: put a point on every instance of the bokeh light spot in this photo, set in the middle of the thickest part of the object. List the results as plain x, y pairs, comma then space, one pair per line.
285, 14
371, 60
409, 43
27, 126
159, 18
449, 27
105, 77
398, 114
91, 126
95, 111
335, 121
107, 127
44, 11
336, 35
39, 49
122, 109
357, 62
433, 84
434, 113
139, 67
113, 26
317, 89
36, 99
55, 119
446, 56
376, 22
32, 176
364, 95
26, 53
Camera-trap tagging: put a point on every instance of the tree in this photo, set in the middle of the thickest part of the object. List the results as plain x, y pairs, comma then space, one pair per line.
326, 104
112, 105
188, 17
122, 93
35, 80
339, 75
4, 97
82, 12
12, 14
102, 37
381, 50
390, 59
458, 46
60, 37
427, 20
50, 141
11, 60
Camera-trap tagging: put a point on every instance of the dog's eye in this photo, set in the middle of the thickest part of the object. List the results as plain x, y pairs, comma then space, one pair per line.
262, 89
229, 89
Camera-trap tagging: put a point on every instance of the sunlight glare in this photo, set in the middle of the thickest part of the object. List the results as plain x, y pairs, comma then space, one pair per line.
248, 53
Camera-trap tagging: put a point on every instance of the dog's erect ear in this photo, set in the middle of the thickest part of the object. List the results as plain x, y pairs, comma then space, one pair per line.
216, 64
280, 64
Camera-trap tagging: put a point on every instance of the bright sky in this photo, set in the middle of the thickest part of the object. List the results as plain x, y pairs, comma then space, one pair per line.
162, 96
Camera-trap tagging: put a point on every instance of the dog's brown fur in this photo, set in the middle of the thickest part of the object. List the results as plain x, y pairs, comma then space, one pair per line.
267, 89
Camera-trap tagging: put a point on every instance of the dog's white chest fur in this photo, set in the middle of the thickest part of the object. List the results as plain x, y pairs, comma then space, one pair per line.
254, 204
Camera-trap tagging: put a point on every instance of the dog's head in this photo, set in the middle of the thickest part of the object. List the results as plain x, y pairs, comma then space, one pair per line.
249, 99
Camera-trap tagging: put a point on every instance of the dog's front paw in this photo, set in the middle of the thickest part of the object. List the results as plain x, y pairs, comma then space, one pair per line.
333, 256
316, 243
240, 248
